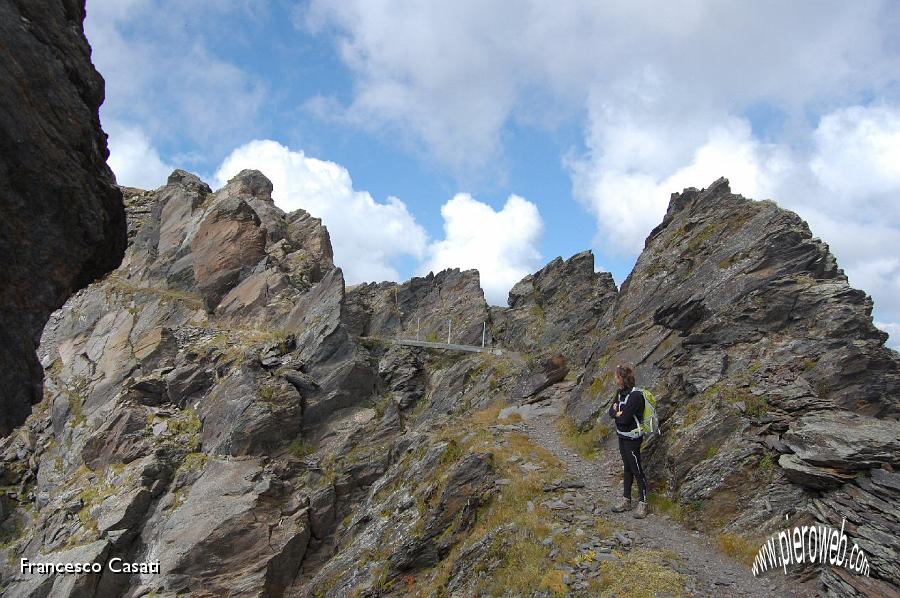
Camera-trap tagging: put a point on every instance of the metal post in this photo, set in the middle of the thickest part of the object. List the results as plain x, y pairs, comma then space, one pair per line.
417, 327
449, 326
483, 333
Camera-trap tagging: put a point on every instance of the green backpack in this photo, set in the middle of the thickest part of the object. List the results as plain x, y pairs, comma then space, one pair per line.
651, 420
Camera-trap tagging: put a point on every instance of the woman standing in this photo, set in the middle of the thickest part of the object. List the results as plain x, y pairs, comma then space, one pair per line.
627, 410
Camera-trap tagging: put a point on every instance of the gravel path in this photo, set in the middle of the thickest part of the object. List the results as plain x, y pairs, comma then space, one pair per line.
708, 572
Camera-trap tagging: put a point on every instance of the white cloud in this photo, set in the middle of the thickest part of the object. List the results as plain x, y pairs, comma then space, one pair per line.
893, 329
133, 158
452, 75
502, 245
858, 155
367, 236
667, 90
847, 188
627, 187
161, 75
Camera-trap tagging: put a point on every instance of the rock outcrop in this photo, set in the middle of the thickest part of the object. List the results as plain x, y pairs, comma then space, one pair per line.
428, 308
63, 223
777, 393
556, 310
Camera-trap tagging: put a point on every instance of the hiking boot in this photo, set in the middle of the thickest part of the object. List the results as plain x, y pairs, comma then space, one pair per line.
624, 505
641, 511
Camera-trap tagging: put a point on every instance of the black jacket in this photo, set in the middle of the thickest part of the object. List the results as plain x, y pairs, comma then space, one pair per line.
631, 403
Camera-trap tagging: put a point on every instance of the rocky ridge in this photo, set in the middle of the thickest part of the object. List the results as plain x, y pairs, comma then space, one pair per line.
63, 223
224, 404
778, 396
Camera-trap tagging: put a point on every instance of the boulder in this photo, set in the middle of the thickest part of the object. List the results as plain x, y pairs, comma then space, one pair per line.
321, 511
421, 308
225, 537
844, 440
228, 244
554, 309
541, 375
810, 476
187, 381
249, 413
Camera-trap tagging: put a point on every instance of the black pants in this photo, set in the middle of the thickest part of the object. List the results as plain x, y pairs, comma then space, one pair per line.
631, 459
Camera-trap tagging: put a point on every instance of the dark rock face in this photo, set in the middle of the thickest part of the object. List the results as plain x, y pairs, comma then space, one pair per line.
777, 395
557, 309
402, 372
422, 307
63, 223
469, 485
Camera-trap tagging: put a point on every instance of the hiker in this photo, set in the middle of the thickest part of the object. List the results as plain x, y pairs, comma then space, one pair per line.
628, 410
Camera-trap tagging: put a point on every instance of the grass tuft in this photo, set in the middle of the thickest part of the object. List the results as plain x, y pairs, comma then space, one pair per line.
584, 442
739, 548
648, 576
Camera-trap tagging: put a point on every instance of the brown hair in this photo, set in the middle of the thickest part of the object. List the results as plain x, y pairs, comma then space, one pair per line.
625, 372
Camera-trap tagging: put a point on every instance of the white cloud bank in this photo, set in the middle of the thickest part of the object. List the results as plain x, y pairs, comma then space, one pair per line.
133, 159
668, 90
893, 329
502, 245
366, 235
161, 75
369, 236
452, 75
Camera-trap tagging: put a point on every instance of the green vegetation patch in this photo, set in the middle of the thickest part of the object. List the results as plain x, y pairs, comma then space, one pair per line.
194, 462
169, 295
517, 557
738, 547
186, 425
585, 442
77, 392
700, 239
767, 463
681, 511
655, 267
497, 367
649, 575
755, 406
185, 422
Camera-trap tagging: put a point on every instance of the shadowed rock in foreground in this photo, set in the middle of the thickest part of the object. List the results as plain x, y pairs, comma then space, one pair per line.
63, 223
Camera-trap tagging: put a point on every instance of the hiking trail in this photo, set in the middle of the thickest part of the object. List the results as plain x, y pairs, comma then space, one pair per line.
706, 571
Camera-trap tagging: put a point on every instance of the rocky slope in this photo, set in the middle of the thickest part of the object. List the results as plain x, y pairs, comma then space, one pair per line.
222, 403
778, 395
211, 404
63, 223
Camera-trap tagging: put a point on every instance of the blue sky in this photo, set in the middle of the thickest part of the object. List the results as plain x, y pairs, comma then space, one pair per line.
478, 134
